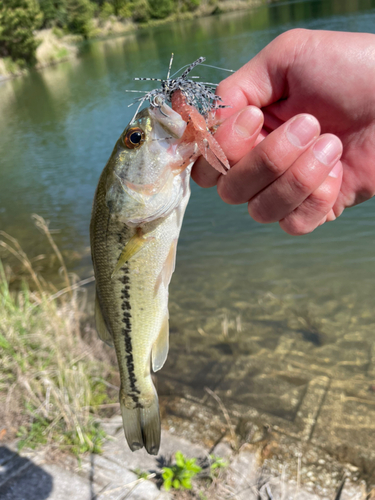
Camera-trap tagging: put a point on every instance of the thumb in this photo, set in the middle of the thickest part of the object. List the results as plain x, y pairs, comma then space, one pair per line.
263, 80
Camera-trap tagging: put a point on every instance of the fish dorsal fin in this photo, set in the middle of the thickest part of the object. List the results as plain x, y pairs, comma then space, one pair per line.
133, 246
161, 346
101, 327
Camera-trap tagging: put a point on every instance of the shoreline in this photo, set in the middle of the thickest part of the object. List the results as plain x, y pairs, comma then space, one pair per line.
55, 49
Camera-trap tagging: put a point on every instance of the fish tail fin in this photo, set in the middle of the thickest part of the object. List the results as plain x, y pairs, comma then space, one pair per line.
142, 426
151, 427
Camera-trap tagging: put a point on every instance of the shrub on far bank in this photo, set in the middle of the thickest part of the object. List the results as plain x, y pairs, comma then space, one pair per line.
106, 11
54, 13
190, 5
79, 17
121, 5
18, 20
140, 11
125, 12
159, 9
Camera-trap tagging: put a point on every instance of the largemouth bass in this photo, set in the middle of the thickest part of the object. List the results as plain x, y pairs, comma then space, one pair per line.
136, 219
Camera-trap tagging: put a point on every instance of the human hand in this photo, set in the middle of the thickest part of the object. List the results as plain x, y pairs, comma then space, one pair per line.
316, 93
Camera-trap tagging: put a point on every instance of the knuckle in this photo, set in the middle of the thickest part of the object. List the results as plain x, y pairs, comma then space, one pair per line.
309, 215
203, 174
290, 37
229, 192
258, 213
295, 32
273, 167
300, 185
295, 225
319, 203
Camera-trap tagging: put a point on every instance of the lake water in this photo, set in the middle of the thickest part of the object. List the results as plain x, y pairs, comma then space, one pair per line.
261, 317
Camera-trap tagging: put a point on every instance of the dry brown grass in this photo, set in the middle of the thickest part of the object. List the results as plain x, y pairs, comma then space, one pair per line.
51, 385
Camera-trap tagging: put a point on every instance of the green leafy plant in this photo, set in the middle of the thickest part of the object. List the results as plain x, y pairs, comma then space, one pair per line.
141, 474
218, 463
180, 475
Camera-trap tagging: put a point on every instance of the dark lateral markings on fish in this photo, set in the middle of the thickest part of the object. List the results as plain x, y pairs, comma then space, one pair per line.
128, 341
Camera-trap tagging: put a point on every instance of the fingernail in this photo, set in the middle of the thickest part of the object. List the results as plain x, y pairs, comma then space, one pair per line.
248, 121
302, 130
336, 171
327, 149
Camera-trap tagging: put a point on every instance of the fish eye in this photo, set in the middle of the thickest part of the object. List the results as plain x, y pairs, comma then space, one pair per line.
134, 138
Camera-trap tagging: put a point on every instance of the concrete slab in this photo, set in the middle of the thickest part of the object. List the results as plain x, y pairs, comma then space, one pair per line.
114, 475
98, 478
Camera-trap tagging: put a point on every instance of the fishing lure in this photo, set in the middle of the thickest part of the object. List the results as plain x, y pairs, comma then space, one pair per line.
198, 94
197, 104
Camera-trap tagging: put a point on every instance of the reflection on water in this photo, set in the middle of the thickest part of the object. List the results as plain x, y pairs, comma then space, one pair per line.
278, 326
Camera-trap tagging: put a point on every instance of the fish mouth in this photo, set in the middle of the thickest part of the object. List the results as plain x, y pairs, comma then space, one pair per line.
167, 129
169, 120
165, 167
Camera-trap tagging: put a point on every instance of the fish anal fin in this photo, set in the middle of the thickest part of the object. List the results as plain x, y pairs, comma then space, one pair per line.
161, 345
101, 327
133, 246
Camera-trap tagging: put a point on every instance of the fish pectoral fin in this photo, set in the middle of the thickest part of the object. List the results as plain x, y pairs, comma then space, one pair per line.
133, 246
101, 327
160, 348
165, 275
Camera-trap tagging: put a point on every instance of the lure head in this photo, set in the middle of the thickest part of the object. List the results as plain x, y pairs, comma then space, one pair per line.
143, 181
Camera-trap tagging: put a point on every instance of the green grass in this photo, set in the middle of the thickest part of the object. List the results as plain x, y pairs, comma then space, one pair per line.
188, 474
13, 67
49, 390
180, 475
61, 53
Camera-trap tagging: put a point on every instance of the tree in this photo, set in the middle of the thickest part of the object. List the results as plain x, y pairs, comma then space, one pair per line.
54, 13
160, 9
79, 14
18, 21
